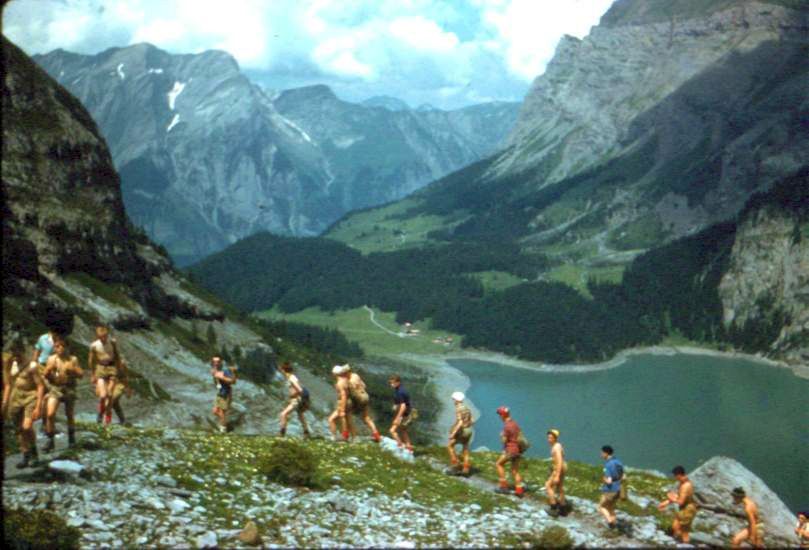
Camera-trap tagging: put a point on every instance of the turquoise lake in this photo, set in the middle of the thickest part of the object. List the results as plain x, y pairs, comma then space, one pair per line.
657, 412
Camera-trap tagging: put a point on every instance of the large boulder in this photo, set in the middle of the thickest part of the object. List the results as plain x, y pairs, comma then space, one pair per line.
714, 481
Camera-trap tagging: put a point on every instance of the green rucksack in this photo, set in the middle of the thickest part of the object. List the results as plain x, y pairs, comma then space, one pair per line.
523, 443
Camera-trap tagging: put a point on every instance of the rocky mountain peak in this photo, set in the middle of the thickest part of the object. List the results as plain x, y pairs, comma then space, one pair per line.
315, 93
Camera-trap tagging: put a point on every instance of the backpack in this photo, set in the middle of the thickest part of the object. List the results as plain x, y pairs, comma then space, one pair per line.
623, 493
523, 443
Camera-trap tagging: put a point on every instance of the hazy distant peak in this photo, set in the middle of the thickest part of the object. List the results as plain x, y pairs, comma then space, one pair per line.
386, 102
317, 92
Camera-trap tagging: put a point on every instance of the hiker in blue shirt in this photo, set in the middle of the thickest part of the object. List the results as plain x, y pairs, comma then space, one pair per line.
402, 413
611, 489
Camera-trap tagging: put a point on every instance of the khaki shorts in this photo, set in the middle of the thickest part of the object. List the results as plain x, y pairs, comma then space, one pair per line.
511, 457
118, 390
686, 516
358, 407
222, 403
299, 404
21, 406
64, 394
463, 437
609, 500
108, 371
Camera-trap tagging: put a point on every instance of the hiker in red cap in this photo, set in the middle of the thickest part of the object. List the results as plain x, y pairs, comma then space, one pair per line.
512, 452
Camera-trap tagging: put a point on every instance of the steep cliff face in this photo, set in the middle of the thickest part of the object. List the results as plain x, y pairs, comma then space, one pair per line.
71, 259
377, 154
203, 155
207, 157
661, 122
766, 287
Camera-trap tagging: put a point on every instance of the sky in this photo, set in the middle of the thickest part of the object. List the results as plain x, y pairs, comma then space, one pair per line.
448, 53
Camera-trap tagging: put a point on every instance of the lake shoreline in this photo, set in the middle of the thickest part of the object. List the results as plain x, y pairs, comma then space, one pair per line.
448, 379
801, 371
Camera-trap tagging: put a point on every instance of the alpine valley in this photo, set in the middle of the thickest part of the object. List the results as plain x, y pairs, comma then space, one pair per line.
654, 187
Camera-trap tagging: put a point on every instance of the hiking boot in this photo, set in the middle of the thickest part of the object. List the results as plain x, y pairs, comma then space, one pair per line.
100, 418
453, 470
519, 491
503, 490
553, 510
376, 437
71, 438
282, 432
306, 434
565, 509
26, 461
108, 418
345, 436
49, 445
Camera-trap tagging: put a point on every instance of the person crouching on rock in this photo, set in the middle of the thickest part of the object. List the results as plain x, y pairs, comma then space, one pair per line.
61, 372
298, 400
511, 453
104, 363
754, 532
23, 395
802, 529
460, 433
555, 486
684, 499
402, 414
224, 378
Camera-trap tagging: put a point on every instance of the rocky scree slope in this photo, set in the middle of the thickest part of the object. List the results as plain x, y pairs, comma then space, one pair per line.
147, 487
71, 257
207, 157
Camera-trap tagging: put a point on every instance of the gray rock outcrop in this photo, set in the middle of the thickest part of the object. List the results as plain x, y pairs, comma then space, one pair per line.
715, 479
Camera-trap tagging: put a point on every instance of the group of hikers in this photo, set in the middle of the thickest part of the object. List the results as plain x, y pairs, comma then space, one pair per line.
353, 398
35, 385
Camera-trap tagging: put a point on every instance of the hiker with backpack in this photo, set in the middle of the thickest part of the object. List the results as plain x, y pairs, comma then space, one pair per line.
514, 445
460, 433
613, 486
298, 400
403, 414
360, 401
61, 371
23, 395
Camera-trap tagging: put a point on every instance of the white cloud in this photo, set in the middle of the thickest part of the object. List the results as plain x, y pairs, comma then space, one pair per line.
413, 49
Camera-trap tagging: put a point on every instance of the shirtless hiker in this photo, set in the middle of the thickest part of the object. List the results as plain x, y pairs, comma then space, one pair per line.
298, 400
802, 529
555, 486
104, 364
754, 532
23, 395
341, 409
224, 378
512, 452
684, 499
460, 433
61, 372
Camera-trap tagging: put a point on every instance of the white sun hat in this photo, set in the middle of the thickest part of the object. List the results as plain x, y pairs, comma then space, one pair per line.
458, 396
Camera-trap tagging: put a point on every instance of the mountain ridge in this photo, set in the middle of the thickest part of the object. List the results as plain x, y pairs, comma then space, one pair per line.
206, 156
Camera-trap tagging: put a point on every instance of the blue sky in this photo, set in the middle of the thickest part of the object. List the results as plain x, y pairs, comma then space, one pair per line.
446, 53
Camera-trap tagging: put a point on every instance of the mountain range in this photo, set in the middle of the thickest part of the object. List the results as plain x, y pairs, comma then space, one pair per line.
207, 157
666, 120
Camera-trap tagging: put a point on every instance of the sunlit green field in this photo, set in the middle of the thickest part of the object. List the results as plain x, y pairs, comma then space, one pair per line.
388, 338
577, 276
379, 230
